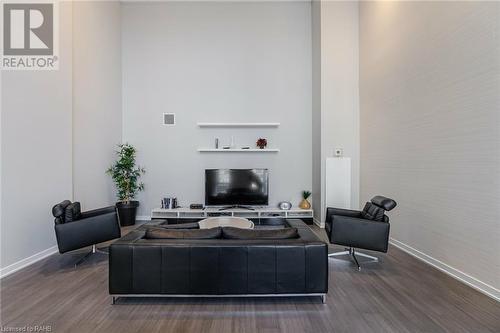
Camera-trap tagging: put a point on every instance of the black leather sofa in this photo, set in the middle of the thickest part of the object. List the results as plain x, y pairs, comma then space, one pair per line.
219, 266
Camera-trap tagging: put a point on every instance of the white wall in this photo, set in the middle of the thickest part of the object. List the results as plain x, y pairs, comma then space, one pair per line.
339, 90
97, 113
317, 161
58, 131
36, 151
430, 130
219, 62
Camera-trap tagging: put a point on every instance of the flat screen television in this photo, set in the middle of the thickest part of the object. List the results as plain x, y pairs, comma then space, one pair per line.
236, 187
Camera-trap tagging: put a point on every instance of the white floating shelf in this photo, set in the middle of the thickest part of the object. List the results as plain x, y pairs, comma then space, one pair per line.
238, 150
238, 124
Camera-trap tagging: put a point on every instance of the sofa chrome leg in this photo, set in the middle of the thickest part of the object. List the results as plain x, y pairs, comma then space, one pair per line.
113, 302
323, 299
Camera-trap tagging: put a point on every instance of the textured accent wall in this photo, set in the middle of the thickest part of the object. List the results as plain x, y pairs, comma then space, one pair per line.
430, 127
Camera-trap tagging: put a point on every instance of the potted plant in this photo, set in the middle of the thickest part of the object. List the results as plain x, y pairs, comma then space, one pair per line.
125, 175
304, 204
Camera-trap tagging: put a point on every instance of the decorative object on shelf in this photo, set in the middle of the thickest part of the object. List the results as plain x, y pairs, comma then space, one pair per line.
262, 143
216, 143
285, 205
232, 142
245, 147
169, 203
125, 175
196, 206
305, 204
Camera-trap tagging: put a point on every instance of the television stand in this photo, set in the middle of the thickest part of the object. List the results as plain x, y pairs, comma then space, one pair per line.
259, 215
236, 206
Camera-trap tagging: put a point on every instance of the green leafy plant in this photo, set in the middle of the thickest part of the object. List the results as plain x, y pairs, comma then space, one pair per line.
125, 173
306, 194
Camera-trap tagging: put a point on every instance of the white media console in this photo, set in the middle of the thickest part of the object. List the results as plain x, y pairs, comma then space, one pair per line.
257, 213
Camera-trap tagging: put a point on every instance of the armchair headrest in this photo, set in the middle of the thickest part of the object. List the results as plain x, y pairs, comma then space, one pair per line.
58, 210
383, 202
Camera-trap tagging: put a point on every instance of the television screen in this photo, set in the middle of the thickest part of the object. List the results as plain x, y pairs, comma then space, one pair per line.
248, 187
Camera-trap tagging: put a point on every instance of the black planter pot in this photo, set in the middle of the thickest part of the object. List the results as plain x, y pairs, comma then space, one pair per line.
127, 212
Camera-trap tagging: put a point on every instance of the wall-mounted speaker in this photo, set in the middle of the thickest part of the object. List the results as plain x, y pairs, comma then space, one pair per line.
169, 119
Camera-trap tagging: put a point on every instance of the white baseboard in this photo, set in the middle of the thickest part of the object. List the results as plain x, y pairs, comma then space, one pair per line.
318, 223
27, 261
453, 272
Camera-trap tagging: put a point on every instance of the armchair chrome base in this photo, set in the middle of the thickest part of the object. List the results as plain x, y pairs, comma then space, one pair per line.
351, 252
94, 250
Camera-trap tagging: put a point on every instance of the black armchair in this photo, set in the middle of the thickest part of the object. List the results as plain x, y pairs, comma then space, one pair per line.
367, 229
75, 229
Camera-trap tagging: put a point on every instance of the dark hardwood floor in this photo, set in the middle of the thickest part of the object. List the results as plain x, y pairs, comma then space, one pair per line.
399, 294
